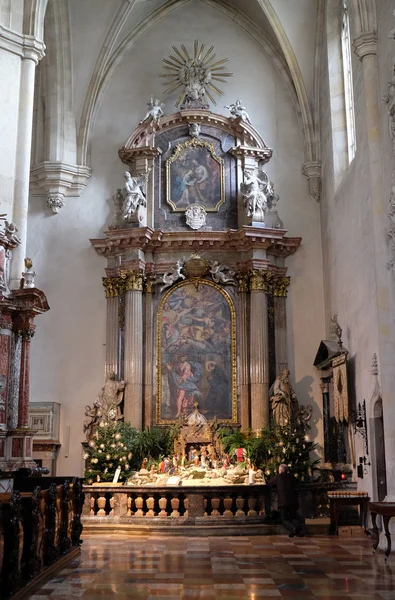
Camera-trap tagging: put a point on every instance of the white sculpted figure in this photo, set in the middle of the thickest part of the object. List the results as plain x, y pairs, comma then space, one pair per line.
221, 273
133, 194
10, 233
110, 397
154, 112
238, 111
283, 400
172, 276
255, 191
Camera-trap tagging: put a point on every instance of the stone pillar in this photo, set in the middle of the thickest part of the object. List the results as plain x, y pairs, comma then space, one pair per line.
280, 322
259, 349
365, 46
113, 287
149, 413
133, 362
5, 355
242, 354
324, 385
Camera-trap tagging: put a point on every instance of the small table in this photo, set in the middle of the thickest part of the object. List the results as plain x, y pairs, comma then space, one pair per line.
336, 501
386, 510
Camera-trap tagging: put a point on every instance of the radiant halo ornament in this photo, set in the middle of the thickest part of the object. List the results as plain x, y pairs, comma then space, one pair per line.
195, 75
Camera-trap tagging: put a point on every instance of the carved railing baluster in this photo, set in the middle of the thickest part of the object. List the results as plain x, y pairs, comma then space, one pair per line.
50, 553
64, 539
78, 503
13, 544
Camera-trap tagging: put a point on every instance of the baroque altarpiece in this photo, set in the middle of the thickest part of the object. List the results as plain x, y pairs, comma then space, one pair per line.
196, 277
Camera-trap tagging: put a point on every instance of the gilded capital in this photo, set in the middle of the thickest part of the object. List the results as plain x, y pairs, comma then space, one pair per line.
133, 280
280, 287
243, 282
260, 280
149, 283
113, 286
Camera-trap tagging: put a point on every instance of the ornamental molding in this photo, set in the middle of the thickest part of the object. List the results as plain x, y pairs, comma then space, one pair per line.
58, 180
365, 44
244, 239
25, 46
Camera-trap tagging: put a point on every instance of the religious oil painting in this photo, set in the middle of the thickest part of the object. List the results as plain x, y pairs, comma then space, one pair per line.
196, 359
195, 175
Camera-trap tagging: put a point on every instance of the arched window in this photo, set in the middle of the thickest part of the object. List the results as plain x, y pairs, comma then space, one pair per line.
348, 84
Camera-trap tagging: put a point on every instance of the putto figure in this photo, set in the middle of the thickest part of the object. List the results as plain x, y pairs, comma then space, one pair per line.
154, 112
238, 111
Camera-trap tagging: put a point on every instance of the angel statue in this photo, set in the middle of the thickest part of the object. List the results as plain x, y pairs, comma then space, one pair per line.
256, 191
172, 276
154, 112
133, 195
238, 111
93, 415
221, 273
283, 400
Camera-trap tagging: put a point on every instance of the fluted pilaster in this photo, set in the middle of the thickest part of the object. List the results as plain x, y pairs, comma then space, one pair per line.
280, 322
243, 364
133, 362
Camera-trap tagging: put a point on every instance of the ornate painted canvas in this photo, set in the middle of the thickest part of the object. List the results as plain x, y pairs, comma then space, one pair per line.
196, 353
195, 175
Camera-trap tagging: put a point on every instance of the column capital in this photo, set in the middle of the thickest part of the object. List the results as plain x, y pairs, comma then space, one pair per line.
365, 44
243, 282
113, 286
260, 280
25, 46
280, 286
133, 280
149, 283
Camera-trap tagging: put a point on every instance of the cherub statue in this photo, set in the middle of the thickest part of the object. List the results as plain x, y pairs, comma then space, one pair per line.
133, 194
93, 417
172, 276
256, 191
283, 400
10, 233
154, 113
238, 111
221, 273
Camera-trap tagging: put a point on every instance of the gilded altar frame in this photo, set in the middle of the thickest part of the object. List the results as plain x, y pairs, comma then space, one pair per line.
184, 153
160, 420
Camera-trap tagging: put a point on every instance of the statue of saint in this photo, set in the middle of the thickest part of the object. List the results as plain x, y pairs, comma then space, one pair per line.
255, 191
133, 194
110, 398
238, 111
283, 401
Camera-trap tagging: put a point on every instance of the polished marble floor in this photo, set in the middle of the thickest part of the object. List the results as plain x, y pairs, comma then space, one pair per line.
152, 567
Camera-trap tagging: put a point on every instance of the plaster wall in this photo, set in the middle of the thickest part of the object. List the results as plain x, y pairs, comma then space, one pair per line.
68, 349
350, 267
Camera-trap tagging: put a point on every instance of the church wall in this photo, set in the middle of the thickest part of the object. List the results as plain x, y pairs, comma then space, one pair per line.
349, 260
68, 349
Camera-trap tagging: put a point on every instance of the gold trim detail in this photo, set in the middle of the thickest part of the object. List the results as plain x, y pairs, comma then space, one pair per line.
243, 282
194, 142
113, 286
232, 310
133, 280
260, 280
149, 283
280, 287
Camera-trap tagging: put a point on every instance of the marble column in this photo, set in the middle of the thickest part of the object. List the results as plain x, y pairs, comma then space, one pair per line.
149, 413
280, 322
113, 287
242, 358
133, 362
24, 380
259, 349
324, 385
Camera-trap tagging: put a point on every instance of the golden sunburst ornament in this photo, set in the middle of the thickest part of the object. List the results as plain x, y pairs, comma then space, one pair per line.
195, 75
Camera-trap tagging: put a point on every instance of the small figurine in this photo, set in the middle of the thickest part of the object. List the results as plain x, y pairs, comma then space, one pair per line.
144, 463
175, 461
161, 466
167, 464
196, 460
154, 112
183, 459
238, 111
251, 475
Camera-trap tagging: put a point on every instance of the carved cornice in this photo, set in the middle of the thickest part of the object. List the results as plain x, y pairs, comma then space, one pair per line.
365, 44
25, 46
58, 180
260, 154
260, 280
245, 239
280, 286
130, 155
